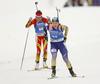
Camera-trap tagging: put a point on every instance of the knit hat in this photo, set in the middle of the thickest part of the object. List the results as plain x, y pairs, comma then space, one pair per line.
55, 19
38, 13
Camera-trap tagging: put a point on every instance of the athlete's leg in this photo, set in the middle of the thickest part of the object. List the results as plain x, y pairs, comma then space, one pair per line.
64, 53
38, 45
45, 45
54, 51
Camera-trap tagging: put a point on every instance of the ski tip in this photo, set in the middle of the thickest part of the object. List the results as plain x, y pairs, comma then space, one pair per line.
80, 76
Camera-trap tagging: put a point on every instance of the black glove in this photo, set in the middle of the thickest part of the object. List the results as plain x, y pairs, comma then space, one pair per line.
65, 39
46, 38
27, 25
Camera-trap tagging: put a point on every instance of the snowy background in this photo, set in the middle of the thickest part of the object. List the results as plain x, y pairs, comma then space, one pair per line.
83, 43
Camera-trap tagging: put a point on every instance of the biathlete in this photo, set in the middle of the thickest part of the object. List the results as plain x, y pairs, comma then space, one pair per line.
57, 42
39, 25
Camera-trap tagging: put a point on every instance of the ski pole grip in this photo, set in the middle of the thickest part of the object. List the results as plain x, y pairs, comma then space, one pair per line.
30, 18
36, 2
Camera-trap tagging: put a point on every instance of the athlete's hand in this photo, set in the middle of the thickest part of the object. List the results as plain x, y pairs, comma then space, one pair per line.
28, 23
46, 38
29, 20
65, 39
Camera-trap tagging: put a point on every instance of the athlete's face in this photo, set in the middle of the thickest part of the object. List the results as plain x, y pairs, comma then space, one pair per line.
55, 24
38, 18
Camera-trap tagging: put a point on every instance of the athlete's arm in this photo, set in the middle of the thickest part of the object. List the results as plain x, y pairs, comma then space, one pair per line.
45, 30
66, 30
46, 20
30, 22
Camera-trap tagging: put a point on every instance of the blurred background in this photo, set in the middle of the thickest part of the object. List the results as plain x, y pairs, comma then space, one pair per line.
82, 3
79, 3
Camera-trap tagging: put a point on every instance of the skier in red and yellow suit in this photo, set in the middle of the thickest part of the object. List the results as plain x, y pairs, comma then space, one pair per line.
39, 25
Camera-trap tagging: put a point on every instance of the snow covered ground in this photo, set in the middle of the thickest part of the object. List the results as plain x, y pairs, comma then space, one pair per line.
83, 43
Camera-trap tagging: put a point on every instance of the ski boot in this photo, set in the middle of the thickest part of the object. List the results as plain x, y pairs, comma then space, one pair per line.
37, 66
72, 72
44, 63
53, 71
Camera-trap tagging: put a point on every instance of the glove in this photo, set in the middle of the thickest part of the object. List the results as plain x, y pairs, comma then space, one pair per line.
65, 39
46, 38
28, 23
48, 18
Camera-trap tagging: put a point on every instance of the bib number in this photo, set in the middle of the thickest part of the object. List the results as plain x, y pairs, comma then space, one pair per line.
40, 29
54, 36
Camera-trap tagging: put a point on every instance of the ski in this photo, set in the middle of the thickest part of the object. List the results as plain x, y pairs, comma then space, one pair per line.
45, 68
52, 78
80, 76
42, 68
77, 77
34, 70
66, 77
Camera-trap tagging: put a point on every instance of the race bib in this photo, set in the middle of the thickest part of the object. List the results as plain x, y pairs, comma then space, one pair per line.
40, 29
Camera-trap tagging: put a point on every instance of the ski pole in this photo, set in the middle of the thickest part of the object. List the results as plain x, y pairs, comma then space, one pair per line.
36, 5
58, 10
24, 49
